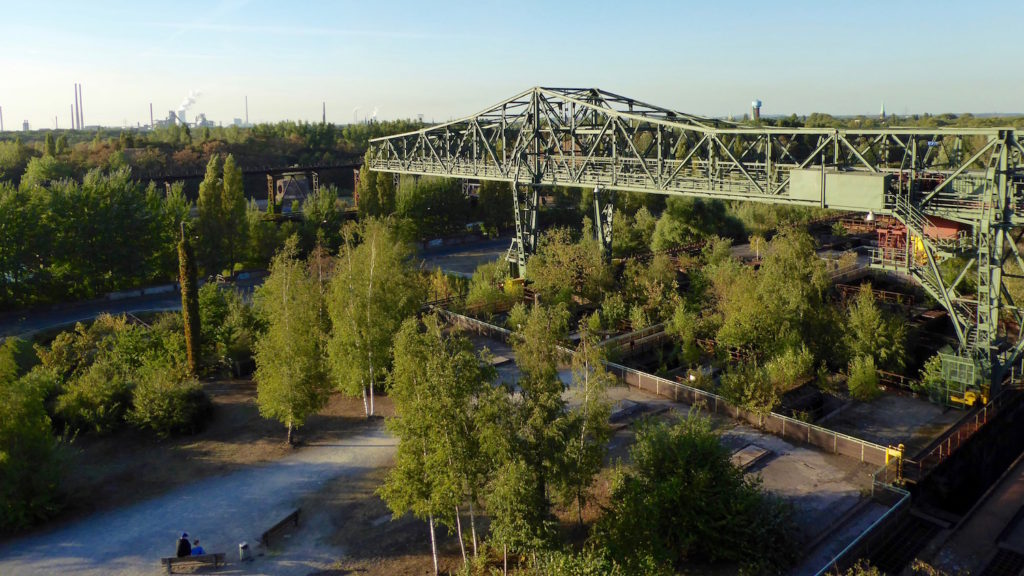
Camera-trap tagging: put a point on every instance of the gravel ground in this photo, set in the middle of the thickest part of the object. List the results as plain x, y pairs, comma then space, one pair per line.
221, 511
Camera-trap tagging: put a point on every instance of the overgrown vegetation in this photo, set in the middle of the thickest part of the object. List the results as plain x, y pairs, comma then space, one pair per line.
681, 500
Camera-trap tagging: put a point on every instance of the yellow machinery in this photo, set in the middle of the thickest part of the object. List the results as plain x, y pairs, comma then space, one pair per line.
970, 397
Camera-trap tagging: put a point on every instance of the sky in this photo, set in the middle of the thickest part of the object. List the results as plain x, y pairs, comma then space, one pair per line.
449, 59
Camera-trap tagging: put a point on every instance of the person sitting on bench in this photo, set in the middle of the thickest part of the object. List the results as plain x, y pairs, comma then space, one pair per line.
197, 550
184, 548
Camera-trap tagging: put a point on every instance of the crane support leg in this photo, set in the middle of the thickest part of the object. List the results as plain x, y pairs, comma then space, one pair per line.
604, 210
524, 245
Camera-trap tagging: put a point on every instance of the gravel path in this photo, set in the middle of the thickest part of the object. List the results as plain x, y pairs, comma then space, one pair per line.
221, 512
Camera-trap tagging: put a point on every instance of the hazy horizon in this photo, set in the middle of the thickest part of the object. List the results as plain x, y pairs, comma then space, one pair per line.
451, 59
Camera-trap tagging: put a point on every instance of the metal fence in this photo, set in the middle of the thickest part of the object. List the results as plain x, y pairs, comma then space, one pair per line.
777, 424
955, 437
874, 535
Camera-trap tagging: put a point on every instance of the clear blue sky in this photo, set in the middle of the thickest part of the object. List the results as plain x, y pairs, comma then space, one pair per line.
450, 59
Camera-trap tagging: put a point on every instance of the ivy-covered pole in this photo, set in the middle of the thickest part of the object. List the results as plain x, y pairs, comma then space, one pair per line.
189, 300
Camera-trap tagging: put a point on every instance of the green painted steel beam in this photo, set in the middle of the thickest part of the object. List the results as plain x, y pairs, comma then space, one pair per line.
589, 137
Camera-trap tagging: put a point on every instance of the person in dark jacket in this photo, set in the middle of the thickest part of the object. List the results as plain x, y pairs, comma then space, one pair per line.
184, 547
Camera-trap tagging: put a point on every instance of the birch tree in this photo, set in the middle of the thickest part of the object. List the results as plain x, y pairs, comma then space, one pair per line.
587, 441
436, 385
291, 375
373, 290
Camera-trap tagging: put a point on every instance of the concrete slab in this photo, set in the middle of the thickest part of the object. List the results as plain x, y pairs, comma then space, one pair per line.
892, 419
748, 456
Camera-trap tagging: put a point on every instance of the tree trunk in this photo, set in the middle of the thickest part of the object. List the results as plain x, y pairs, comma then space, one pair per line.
366, 407
472, 527
504, 557
433, 543
371, 399
579, 505
289, 439
458, 527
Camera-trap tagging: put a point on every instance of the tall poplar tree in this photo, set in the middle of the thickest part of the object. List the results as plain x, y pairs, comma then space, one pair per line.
189, 300
233, 207
211, 218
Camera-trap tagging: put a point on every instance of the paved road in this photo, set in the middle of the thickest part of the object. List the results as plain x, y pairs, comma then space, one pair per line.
27, 323
221, 511
462, 260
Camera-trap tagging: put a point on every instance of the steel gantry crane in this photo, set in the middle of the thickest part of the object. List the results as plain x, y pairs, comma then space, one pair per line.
958, 192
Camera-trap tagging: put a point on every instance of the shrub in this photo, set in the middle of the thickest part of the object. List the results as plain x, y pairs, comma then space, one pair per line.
614, 311
228, 327
166, 401
517, 317
863, 379
485, 292
790, 368
97, 400
750, 387
639, 318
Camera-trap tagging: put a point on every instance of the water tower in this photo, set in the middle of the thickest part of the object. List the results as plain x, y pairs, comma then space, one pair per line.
756, 108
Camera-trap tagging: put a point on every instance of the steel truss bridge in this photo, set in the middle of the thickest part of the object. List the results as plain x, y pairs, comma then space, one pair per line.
970, 180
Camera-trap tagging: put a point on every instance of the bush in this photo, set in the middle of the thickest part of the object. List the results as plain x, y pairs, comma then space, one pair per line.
517, 317
97, 400
228, 327
682, 500
639, 318
485, 288
166, 401
750, 387
614, 311
30, 467
863, 379
792, 367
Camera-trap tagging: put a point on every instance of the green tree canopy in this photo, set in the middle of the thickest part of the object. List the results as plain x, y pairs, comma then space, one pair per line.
291, 372
682, 500
373, 290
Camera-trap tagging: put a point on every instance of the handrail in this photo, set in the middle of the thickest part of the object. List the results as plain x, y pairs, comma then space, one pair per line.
834, 562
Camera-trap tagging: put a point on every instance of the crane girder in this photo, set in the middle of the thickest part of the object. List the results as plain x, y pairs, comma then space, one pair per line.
589, 137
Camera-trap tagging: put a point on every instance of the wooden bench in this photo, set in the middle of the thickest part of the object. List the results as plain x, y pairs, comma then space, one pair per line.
292, 519
217, 559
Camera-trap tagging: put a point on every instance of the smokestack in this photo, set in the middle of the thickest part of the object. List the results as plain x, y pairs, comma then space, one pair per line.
1, 118
324, 121
72, 116
55, 125
151, 124
81, 109
246, 109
